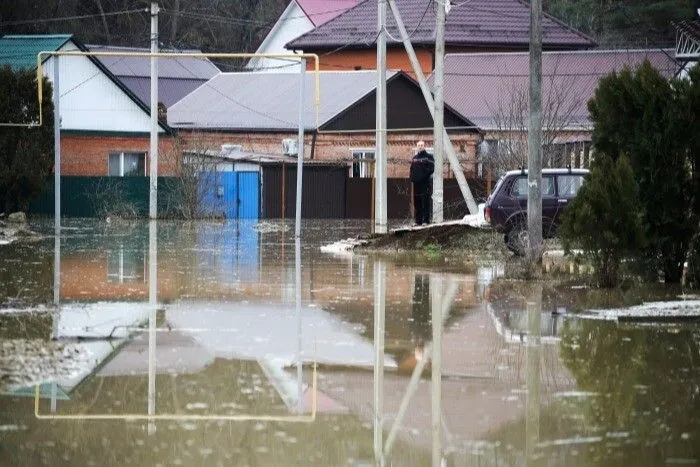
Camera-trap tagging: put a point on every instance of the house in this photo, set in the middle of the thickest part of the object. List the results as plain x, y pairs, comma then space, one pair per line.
492, 90
688, 43
260, 111
177, 76
104, 125
300, 17
348, 41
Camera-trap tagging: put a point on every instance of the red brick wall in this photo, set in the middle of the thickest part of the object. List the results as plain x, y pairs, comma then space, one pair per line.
88, 155
337, 146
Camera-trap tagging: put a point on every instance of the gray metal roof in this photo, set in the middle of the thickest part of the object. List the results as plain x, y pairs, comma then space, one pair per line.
473, 23
492, 88
269, 101
170, 90
177, 76
168, 67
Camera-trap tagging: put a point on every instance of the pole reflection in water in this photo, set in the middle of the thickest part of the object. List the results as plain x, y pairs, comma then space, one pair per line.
436, 375
379, 315
153, 305
446, 301
56, 298
297, 283
532, 403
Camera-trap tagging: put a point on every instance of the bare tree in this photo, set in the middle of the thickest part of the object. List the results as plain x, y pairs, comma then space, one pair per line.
510, 114
196, 191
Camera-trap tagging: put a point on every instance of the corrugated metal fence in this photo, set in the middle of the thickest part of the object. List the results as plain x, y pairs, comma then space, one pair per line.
100, 196
328, 193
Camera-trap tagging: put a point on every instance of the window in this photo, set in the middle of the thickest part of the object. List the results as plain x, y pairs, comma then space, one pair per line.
124, 164
362, 163
519, 188
569, 185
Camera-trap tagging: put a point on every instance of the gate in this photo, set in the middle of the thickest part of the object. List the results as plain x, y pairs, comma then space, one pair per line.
233, 195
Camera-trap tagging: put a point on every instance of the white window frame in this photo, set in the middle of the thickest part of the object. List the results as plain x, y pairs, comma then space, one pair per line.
121, 161
363, 161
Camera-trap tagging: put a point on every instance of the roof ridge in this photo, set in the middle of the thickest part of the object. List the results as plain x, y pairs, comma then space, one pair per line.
561, 52
36, 36
324, 24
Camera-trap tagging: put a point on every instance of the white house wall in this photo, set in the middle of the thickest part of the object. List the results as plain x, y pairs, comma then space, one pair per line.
291, 24
91, 101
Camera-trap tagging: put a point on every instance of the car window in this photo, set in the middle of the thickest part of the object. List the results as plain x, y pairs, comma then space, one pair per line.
569, 184
519, 187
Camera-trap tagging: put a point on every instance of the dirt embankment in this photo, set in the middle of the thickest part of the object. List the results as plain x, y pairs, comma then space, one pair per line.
437, 237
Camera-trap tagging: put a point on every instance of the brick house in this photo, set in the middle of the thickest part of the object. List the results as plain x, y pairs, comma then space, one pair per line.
259, 111
104, 125
348, 41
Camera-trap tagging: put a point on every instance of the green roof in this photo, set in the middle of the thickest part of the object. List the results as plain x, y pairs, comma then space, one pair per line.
20, 51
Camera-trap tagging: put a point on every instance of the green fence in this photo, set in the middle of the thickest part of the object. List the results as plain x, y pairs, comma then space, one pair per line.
103, 196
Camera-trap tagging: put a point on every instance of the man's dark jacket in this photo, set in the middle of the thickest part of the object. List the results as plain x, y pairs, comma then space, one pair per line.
422, 167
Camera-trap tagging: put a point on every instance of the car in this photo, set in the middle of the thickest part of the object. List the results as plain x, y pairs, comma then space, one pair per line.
506, 207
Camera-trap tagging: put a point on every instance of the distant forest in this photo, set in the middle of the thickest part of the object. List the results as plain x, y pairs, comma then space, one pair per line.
620, 23
240, 25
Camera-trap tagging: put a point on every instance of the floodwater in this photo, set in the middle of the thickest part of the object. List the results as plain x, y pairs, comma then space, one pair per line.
229, 344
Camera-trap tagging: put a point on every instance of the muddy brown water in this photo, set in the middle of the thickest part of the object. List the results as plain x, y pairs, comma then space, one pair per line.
226, 362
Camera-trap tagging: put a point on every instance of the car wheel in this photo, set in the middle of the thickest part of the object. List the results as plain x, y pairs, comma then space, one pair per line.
518, 240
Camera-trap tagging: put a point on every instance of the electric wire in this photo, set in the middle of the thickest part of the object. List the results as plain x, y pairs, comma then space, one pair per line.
70, 18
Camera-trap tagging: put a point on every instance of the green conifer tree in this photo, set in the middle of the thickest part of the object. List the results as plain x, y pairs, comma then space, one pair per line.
637, 114
26, 152
605, 218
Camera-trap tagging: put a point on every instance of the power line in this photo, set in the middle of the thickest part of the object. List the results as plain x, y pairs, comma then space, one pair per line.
69, 18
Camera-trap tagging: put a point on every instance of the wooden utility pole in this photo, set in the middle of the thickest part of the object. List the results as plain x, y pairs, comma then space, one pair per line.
534, 139
380, 206
439, 114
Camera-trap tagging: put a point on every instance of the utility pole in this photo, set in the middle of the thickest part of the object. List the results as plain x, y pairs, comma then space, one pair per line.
153, 159
534, 138
300, 151
57, 145
439, 114
380, 201
430, 102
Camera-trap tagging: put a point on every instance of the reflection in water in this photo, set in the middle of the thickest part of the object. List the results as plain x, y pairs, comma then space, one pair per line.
211, 330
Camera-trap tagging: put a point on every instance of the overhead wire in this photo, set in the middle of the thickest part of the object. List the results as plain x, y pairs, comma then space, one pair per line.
70, 18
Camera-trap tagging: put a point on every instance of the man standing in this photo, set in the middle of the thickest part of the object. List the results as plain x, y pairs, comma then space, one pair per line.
422, 167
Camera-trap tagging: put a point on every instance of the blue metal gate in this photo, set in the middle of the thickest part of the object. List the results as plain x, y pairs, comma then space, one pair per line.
233, 195
248, 203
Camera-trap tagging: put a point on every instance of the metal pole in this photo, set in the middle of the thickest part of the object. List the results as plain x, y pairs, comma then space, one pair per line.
300, 152
153, 193
57, 270
56, 145
439, 112
534, 139
379, 319
380, 201
451, 154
